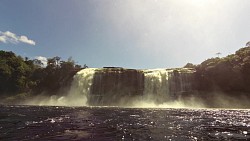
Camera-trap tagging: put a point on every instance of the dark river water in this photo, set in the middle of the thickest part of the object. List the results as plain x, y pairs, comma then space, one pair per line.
113, 123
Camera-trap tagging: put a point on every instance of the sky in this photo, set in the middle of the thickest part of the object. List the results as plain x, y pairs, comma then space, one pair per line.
139, 34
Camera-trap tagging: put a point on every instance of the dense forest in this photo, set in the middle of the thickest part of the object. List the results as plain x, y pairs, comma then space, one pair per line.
229, 75
22, 77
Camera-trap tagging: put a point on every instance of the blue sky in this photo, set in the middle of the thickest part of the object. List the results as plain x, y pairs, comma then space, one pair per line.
125, 33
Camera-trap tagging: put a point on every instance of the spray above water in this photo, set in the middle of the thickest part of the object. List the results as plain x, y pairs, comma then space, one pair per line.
77, 95
156, 85
129, 87
154, 88
81, 87
126, 88
164, 87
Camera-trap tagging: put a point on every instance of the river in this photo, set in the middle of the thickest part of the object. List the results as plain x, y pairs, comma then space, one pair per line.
116, 123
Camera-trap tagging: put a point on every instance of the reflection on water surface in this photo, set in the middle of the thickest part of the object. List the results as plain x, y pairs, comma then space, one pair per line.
113, 123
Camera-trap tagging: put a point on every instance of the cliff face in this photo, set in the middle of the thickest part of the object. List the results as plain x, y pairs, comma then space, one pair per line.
115, 86
110, 85
181, 81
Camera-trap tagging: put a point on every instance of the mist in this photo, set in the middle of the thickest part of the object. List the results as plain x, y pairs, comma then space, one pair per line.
157, 93
215, 100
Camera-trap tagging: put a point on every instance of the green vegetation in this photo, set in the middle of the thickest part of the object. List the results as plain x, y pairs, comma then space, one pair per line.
21, 77
228, 74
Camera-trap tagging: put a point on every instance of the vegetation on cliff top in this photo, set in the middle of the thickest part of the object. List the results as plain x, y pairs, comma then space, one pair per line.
227, 74
30, 77
20, 77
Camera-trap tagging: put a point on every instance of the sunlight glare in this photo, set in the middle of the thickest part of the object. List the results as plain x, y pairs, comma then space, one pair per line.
200, 3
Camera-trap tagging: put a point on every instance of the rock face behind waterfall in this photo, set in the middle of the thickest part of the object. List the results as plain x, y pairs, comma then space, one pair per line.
119, 86
113, 85
181, 81
163, 85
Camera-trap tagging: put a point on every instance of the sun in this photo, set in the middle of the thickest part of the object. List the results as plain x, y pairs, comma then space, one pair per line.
200, 3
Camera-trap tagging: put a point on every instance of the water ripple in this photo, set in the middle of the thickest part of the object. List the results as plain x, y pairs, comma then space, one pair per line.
114, 123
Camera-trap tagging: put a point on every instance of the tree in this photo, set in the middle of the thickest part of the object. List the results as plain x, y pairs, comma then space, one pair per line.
218, 54
14, 73
189, 65
21, 75
56, 75
248, 44
38, 63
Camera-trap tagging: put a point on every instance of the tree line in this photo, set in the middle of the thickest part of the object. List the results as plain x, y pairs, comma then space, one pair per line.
230, 74
18, 75
24, 75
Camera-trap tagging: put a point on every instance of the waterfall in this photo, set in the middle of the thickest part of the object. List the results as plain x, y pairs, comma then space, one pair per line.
156, 84
81, 87
181, 81
113, 85
116, 86
162, 85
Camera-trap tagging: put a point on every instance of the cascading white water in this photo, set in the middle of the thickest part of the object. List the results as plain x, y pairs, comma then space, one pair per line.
81, 87
156, 84
161, 85
108, 86
77, 95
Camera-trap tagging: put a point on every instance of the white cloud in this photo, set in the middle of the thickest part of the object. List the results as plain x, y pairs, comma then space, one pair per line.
44, 60
24, 39
9, 37
2, 39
